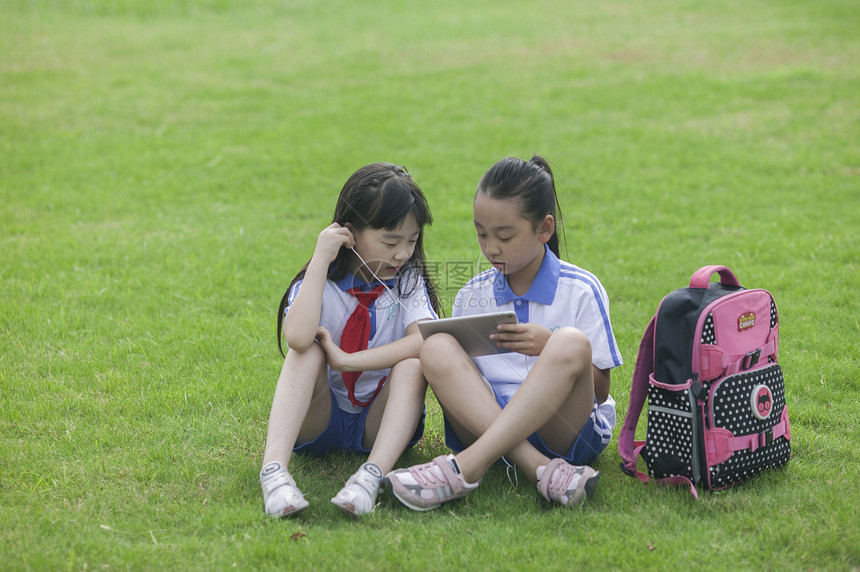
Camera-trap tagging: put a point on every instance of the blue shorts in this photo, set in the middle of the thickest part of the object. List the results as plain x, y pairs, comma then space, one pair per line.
588, 445
345, 432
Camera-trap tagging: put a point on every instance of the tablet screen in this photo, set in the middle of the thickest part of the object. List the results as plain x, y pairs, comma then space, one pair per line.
473, 332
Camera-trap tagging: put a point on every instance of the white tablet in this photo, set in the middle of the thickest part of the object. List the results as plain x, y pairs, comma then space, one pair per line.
473, 332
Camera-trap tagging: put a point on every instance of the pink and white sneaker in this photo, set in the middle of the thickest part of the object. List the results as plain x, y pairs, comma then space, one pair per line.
425, 487
561, 482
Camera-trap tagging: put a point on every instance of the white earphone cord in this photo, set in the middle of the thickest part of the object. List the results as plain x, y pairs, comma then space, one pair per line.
477, 271
384, 285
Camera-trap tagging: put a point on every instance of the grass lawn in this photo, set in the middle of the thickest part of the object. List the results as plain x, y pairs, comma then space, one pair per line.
165, 168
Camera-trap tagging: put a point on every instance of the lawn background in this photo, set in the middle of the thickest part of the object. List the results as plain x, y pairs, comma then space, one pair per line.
165, 168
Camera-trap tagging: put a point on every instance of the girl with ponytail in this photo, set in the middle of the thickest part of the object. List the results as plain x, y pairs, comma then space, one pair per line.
544, 405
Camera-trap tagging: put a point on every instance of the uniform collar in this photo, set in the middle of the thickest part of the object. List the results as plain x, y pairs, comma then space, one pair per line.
351, 281
543, 287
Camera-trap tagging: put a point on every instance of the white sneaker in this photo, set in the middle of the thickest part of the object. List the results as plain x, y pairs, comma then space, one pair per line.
280, 494
358, 496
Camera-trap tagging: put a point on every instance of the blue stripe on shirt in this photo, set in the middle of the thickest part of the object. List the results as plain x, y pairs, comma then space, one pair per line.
591, 280
481, 277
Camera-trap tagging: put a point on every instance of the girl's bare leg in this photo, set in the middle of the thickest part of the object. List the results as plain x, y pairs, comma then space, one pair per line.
301, 407
556, 399
390, 423
394, 414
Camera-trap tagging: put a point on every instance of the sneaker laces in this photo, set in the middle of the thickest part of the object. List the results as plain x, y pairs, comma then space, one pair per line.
430, 475
561, 481
511, 469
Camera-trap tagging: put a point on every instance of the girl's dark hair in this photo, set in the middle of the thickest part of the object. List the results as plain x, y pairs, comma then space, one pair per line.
380, 196
531, 184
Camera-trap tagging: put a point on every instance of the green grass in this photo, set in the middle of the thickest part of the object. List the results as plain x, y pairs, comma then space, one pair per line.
165, 168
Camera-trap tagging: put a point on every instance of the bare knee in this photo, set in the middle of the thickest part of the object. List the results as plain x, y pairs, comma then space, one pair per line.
313, 355
409, 368
308, 366
437, 350
408, 373
571, 347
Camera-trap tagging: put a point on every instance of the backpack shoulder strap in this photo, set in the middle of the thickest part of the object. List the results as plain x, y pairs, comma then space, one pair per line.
628, 449
627, 446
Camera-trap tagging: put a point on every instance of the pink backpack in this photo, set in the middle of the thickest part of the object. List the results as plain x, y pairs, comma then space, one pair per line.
716, 409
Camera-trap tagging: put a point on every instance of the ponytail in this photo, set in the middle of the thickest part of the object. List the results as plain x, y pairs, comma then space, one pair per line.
532, 185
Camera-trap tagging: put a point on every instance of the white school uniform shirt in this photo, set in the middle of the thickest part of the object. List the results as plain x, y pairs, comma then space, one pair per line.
562, 294
388, 322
